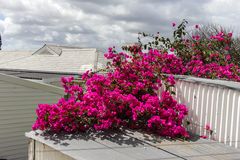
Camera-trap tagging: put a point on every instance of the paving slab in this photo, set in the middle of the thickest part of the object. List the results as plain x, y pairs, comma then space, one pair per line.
133, 145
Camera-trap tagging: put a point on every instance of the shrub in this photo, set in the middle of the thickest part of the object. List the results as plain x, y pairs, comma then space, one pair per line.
126, 96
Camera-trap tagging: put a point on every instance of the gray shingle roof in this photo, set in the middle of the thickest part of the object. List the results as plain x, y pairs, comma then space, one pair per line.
53, 58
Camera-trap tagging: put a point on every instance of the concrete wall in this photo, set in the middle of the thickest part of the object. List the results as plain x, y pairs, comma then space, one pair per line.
40, 151
212, 102
18, 101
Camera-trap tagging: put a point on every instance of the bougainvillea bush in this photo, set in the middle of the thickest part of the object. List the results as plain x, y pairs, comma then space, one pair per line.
126, 96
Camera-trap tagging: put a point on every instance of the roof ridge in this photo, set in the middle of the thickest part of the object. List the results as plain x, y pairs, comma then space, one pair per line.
63, 46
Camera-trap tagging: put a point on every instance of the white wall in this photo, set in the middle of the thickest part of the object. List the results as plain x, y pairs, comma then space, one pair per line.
212, 102
18, 101
40, 151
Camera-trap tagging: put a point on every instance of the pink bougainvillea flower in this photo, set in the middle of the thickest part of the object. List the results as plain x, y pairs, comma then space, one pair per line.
227, 48
171, 80
230, 34
207, 127
171, 49
204, 137
228, 57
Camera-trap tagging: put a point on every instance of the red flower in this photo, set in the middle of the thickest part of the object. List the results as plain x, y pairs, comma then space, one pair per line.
204, 137
171, 49
208, 127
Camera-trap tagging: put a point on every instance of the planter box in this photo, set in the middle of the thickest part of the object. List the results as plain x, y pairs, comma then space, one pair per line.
123, 145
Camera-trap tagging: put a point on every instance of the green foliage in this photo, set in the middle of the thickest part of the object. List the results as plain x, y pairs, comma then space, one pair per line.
204, 41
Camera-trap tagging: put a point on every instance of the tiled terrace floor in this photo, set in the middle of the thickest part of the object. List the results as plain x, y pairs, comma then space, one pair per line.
129, 145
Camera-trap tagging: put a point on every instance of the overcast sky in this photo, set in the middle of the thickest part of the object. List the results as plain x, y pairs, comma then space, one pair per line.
27, 24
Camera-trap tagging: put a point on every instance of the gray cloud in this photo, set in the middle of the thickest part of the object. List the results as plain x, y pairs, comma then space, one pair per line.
27, 24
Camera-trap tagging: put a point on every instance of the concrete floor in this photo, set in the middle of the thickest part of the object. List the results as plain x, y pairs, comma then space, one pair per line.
133, 145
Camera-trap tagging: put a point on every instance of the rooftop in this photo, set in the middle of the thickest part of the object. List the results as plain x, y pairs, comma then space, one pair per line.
53, 58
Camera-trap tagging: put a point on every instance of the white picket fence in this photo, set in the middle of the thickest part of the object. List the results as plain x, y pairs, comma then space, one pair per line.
212, 102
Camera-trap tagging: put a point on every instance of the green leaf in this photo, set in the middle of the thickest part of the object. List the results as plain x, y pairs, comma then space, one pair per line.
145, 46
172, 92
66, 96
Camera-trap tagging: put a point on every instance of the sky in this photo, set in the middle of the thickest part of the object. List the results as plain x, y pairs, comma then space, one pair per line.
28, 24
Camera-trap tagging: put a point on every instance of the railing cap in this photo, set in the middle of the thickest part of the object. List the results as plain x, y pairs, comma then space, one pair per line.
211, 82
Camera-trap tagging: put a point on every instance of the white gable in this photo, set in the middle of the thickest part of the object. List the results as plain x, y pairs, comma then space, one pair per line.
49, 50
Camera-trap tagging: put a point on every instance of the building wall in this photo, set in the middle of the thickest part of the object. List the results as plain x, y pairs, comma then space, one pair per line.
18, 101
40, 151
216, 103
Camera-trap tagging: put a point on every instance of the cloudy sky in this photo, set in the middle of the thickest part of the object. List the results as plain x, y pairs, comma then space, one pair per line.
27, 24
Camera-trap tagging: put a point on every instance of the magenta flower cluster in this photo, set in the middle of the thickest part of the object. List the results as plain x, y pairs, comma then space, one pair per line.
126, 96
214, 70
200, 53
208, 62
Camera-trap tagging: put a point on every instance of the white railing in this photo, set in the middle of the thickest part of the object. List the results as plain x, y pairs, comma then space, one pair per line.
212, 102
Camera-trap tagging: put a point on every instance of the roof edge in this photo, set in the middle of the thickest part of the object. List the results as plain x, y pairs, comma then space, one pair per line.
39, 49
31, 84
38, 71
